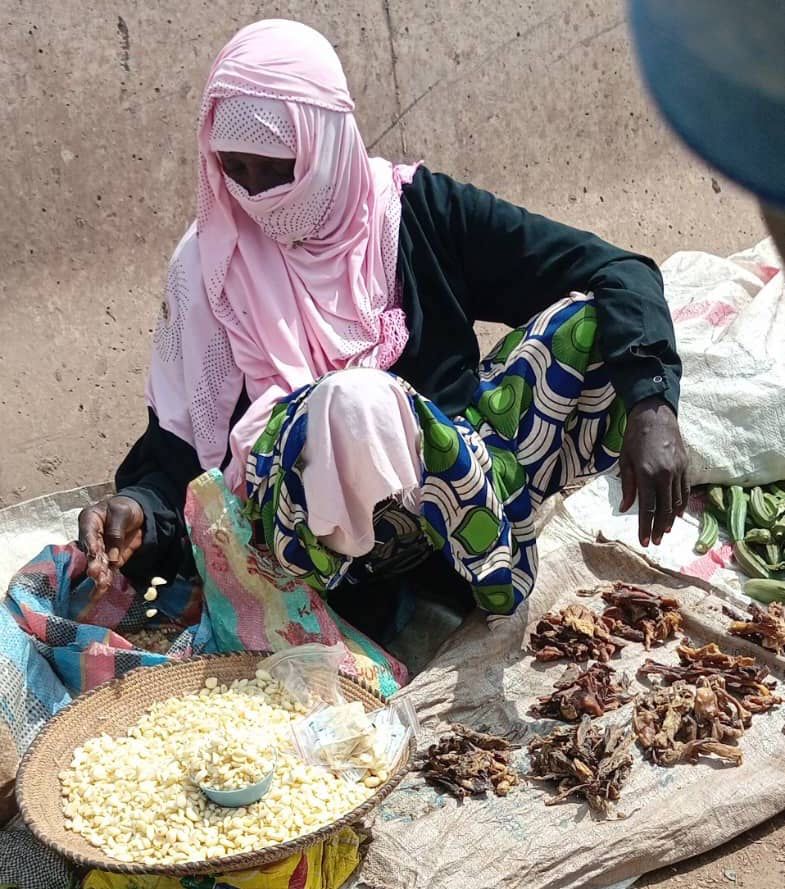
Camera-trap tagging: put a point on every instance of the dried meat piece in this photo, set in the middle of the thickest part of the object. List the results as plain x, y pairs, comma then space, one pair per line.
584, 760
711, 655
765, 626
693, 750
682, 723
592, 692
470, 763
742, 676
641, 616
483, 740
576, 633
590, 592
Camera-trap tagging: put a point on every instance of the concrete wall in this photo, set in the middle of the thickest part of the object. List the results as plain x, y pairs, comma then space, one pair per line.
538, 101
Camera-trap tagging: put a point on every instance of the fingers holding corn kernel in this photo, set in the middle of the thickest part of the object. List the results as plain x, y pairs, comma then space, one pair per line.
134, 796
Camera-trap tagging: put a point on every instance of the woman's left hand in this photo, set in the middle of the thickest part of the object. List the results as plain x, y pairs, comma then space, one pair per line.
653, 464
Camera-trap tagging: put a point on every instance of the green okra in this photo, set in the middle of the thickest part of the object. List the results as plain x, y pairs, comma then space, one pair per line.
716, 497
765, 590
750, 563
737, 512
709, 531
759, 536
763, 513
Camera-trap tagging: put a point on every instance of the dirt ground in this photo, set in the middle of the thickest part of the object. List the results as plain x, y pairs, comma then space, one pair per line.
755, 859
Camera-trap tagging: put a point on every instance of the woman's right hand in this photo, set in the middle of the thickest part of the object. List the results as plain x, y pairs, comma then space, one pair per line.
110, 532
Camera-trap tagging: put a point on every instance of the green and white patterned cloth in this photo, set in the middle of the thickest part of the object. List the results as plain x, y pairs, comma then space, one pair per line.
544, 415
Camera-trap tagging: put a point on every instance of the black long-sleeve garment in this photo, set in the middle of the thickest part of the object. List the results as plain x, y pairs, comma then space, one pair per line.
463, 256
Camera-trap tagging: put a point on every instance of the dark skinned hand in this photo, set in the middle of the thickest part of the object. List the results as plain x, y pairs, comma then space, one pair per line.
653, 466
110, 532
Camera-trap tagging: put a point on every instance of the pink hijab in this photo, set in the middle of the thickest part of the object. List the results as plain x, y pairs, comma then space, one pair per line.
277, 289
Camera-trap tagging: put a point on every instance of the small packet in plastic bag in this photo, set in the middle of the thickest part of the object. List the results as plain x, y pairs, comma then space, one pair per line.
339, 736
394, 725
402, 711
360, 745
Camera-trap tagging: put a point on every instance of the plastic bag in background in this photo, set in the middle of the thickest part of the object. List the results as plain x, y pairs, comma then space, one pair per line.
729, 317
309, 673
393, 727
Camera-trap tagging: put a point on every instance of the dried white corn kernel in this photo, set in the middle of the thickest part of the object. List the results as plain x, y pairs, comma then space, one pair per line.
151, 595
232, 760
151, 612
158, 581
133, 797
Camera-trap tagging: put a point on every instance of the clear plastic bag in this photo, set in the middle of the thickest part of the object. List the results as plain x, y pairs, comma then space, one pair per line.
309, 673
406, 715
337, 736
394, 725
347, 739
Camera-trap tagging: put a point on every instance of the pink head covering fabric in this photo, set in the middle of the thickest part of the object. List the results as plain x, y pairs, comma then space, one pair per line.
253, 125
277, 289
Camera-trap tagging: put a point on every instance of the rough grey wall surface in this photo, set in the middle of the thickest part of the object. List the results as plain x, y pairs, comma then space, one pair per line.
538, 101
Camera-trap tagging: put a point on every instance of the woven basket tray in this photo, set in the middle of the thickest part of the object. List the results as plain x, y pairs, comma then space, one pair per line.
112, 708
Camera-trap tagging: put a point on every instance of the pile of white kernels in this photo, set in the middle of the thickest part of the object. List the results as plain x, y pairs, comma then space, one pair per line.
132, 796
233, 759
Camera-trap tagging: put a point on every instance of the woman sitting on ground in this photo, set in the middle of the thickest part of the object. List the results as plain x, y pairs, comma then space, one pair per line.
317, 344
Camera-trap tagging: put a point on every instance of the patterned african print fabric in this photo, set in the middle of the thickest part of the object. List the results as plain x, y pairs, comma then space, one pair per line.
543, 416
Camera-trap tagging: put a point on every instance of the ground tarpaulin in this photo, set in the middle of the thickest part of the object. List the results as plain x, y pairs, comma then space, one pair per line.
423, 838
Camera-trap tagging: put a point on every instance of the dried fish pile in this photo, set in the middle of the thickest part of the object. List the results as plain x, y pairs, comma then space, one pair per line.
470, 763
575, 633
583, 760
634, 614
704, 707
641, 616
681, 723
743, 677
591, 691
765, 626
